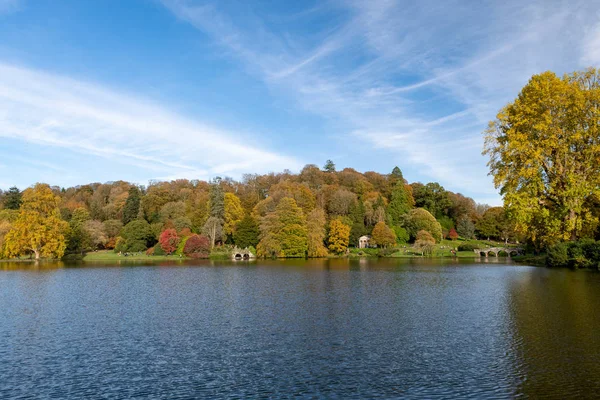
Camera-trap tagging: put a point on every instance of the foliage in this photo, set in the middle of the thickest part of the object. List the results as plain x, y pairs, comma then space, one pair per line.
432, 197
217, 200
246, 232
197, 246
419, 219
424, 242
401, 202
583, 253
402, 235
137, 235
12, 199
339, 236
465, 227
315, 224
213, 229
132, 205
452, 234
329, 166
38, 228
283, 233
158, 251
234, 212
383, 235
467, 247
494, 224
169, 240
546, 186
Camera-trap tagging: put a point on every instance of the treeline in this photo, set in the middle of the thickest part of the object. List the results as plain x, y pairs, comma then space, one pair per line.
313, 213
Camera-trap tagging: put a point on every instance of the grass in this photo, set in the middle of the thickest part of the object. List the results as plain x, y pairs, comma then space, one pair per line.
109, 255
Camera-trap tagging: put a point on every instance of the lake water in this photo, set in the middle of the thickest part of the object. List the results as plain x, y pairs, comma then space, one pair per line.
305, 329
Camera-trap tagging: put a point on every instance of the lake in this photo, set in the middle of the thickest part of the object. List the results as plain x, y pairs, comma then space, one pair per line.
389, 328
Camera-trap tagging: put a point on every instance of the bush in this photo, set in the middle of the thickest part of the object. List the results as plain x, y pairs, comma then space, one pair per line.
385, 252
581, 254
150, 251
467, 247
158, 251
197, 246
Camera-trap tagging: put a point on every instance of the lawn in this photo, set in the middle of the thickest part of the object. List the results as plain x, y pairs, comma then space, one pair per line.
109, 255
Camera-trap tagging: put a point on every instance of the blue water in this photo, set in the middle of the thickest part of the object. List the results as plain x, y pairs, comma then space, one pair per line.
303, 329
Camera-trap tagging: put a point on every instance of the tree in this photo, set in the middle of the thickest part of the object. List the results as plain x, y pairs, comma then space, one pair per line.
38, 228
452, 234
401, 235
329, 166
424, 243
246, 233
315, 223
383, 235
213, 229
137, 236
217, 200
546, 186
112, 228
339, 236
420, 219
283, 232
465, 227
169, 240
432, 197
132, 205
12, 198
494, 224
78, 238
96, 234
234, 212
401, 202
197, 246
341, 202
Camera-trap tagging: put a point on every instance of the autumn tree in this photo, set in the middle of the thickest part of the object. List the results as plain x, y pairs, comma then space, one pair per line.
543, 150
169, 240
452, 234
112, 228
197, 246
213, 229
246, 232
339, 236
283, 232
234, 212
132, 205
424, 242
383, 235
315, 223
38, 228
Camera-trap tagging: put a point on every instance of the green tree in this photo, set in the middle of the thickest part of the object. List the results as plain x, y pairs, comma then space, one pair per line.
78, 238
401, 202
38, 228
137, 236
329, 166
339, 236
12, 198
419, 219
132, 205
246, 232
432, 197
543, 150
283, 233
465, 227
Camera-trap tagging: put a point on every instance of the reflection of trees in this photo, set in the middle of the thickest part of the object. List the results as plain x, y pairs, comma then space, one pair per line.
556, 333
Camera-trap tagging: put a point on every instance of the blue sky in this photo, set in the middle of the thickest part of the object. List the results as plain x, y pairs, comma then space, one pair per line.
93, 91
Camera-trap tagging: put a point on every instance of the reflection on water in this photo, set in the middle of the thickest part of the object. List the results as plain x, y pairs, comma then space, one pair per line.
319, 328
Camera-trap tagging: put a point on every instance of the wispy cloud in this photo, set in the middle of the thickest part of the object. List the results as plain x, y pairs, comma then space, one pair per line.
51, 110
418, 80
7, 6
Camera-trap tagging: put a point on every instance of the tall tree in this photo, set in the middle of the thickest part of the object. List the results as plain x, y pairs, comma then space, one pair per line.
213, 229
234, 212
132, 205
38, 228
543, 150
419, 219
12, 198
401, 202
315, 223
465, 227
283, 232
383, 235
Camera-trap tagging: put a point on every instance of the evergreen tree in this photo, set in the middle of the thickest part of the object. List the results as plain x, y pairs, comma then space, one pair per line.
246, 232
12, 198
132, 205
401, 202
329, 166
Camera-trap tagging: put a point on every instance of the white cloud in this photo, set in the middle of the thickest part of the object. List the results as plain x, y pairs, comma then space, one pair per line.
60, 112
467, 59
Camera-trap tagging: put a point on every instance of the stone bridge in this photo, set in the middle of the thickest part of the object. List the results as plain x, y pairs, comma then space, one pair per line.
493, 251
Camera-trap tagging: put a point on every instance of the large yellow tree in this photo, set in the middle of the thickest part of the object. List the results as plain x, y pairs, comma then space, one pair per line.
544, 151
234, 213
38, 228
339, 236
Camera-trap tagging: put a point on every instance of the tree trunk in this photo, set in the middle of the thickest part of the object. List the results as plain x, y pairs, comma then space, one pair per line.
572, 219
37, 254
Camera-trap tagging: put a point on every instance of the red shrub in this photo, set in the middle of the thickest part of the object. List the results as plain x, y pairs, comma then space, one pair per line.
197, 246
453, 235
169, 240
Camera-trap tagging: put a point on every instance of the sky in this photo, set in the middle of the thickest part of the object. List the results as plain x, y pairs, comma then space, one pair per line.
139, 90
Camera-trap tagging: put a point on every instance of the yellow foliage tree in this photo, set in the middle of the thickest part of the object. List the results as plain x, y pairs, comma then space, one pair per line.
38, 228
544, 151
234, 213
383, 235
339, 236
315, 223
